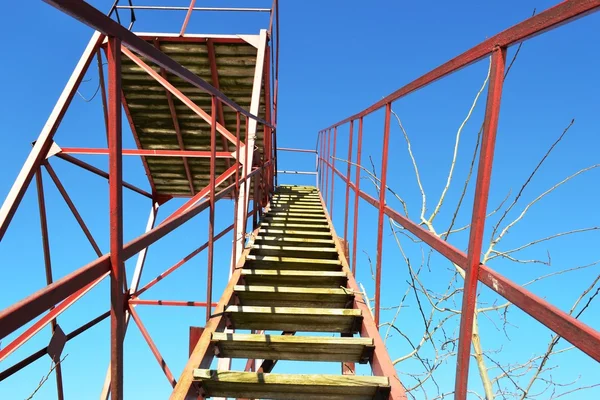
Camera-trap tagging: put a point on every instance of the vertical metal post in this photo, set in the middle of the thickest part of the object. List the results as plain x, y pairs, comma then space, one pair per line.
356, 194
211, 217
48, 267
333, 172
349, 160
326, 159
117, 304
236, 201
484, 173
382, 190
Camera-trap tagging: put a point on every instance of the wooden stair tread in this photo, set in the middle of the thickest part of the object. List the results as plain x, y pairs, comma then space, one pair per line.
309, 227
293, 240
293, 263
291, 386
287, 347
292, 232
296, 278
302, 251
283, 296
295, 319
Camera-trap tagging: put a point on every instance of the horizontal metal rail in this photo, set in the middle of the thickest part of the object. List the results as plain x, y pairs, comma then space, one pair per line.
175, 8
296, 172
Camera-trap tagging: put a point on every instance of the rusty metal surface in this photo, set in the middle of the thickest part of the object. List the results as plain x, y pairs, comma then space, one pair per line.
147, 104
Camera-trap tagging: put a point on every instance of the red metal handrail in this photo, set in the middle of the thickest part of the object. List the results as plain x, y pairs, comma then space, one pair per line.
579, 334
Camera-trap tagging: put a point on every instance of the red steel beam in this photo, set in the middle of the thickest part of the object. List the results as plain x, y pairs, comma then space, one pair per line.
482, 188
153, 348
44, 142
571, 329
147, 152
211, 215
178, 93
562, 13
27, 309
46, 319
42, 352
214, 74
72, 207
187, 18
99, 172
180, 263
95, 19
175, 303
48, 267
115, 181
186, 165
382, 190
356, 195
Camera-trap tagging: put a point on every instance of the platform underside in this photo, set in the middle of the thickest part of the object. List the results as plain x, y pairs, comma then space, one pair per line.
226, 62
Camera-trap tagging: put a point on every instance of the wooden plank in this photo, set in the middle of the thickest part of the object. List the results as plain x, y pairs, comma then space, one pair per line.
298, 348
273, 277
296, 227
295, 319
295, 251
296, 241
294, 233
284, 296
291, 263
304, 210
291, 386
293, 219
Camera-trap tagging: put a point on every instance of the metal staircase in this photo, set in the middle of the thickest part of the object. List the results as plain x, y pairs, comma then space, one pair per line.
294, 278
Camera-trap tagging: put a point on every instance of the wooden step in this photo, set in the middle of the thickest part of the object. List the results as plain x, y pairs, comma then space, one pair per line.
297, 198
291, 386
294, 233
319, 211
298, 348
274, 277
294, 319
294, 241
283, 296
295, 251
296, 204
296, 227
291, 263
295, 218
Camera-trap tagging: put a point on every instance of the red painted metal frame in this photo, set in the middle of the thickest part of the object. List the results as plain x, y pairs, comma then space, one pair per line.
57, 296
153, 153
484, 175
582, 336
115, 181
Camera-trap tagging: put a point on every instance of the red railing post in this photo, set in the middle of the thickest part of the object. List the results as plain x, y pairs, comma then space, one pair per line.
211, 215
356, 194
382, 190
484, 172
327, 165
333, 171
117, 302
349, 160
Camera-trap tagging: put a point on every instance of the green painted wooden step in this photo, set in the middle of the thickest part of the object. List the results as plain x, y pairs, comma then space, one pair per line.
274, 277
294, 319
291, 386
295, 251
282, 296
299, 348
293, 241
291, 263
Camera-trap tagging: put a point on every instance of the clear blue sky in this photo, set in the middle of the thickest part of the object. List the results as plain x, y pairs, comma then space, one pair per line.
336, 59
